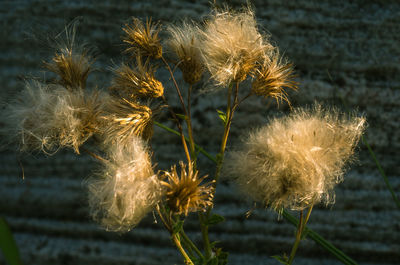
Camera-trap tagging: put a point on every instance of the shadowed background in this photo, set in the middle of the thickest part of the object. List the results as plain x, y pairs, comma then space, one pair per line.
345, 54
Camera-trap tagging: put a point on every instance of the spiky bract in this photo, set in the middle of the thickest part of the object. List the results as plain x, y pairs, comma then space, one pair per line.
137, 82
124, 120
143, 39
185, 193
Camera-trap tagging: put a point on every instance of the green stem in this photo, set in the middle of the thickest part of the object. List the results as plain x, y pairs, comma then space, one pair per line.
177, 242
385, 178
299, 234
191, 244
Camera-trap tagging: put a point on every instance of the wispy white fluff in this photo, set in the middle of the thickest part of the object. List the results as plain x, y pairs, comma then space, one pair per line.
295, 161
232, 45
127, 188
47, 117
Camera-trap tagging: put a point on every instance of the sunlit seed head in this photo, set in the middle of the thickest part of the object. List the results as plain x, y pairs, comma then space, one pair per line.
273, 77
185, 192
124, 120
137, 82
232, 45
184, 43
127, 188
72, 61
143, 39
296, 161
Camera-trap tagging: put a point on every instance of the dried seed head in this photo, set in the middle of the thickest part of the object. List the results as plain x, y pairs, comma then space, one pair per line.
296, 161
184, 43
138, 82
72, 62
185, 193
47, 117
232, 45
273, 77
125, 120
143, 39
127, 188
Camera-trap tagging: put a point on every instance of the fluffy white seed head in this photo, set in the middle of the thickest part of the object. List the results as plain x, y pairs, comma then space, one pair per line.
295, 161
232, 45
127, 188
184, 43
47, 117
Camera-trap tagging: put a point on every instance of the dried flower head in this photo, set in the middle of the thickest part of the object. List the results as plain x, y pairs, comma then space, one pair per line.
184, 43
295, 161
127, 188
143, 39
185, 193
273, 77
72, 62
137, 82
232, 45
48, 117
124, 120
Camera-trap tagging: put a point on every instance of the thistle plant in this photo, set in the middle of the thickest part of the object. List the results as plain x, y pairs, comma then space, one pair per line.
294, 162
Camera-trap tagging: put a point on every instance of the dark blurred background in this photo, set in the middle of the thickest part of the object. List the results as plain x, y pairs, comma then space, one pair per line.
346, 53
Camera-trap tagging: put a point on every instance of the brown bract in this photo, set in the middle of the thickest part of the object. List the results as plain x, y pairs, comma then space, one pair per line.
125, 120
273, 77
143, 39
71, 66
137, 82
185, 193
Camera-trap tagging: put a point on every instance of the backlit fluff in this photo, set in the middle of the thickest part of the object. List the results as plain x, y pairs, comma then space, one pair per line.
47, 117
232, 45
295, 161
184, 42
137, 82
124, 120
76, 116
127, 189
28, 119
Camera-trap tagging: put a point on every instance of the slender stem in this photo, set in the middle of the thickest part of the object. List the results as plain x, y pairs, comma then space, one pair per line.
381, 171
189, 125
177, 242
191, 244
179, 128
204, 233
95, 156
299, 234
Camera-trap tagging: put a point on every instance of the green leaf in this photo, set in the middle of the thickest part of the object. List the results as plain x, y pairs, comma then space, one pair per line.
181, 116
8, 245
215, 219
177, 227
222, 116
282, 260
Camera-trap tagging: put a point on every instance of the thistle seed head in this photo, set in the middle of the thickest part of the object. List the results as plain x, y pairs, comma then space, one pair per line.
184, 193
184, 42
296, 161
143, 39
138, 82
